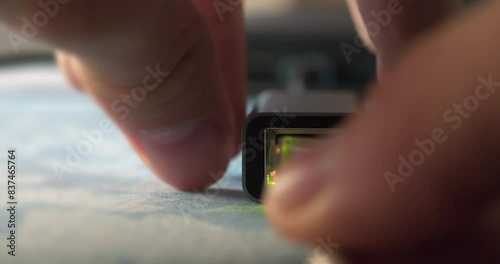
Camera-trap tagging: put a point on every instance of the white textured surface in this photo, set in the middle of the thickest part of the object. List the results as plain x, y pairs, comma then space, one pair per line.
110, 208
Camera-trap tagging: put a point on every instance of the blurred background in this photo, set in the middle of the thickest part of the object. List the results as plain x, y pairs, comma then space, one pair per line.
282, 36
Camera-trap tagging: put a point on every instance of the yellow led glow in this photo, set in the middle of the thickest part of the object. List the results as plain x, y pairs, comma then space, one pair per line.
271, 178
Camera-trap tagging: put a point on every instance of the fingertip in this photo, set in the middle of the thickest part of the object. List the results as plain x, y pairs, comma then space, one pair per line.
302, 199
190, 157
65, 62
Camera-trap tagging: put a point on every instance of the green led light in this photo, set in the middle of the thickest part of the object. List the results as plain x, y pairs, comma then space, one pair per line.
282, 144
285, 147
269, 181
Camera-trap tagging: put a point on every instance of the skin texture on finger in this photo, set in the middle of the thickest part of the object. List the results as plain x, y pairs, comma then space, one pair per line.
359, 24
65, 62
388, 26
156, 67
226, 29
341, 189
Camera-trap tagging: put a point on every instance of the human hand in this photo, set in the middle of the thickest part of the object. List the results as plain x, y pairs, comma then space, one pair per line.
414, 177
156, 68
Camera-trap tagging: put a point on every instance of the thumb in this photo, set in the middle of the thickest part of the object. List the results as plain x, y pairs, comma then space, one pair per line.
387, 27
420, 164
154, 69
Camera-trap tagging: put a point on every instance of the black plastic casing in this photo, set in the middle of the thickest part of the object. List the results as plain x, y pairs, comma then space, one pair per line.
253, 143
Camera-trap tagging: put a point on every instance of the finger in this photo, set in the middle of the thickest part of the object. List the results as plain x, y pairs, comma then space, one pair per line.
389, 25
226, 28
154, 67
359, 24
420, 163
65, 62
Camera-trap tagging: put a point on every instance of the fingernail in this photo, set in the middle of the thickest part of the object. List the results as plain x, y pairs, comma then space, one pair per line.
296, 186
171, 134
190, 155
